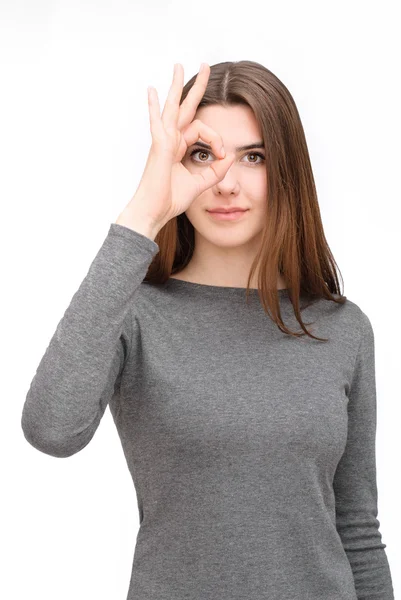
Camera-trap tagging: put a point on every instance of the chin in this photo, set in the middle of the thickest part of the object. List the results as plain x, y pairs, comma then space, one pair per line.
228, 239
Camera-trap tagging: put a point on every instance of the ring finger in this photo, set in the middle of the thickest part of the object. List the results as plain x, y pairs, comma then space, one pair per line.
172, 106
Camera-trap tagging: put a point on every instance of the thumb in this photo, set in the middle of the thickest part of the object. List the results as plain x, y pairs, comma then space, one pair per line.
214, 172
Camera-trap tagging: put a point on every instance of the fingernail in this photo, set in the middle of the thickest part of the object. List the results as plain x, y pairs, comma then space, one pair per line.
223, 152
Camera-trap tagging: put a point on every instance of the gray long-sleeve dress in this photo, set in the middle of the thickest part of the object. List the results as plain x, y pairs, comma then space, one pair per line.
252, 452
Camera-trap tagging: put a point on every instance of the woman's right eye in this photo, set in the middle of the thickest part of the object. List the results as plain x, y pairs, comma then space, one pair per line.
200, 151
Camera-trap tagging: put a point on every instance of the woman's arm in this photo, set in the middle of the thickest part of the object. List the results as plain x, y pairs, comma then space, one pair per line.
355, 484
77, 374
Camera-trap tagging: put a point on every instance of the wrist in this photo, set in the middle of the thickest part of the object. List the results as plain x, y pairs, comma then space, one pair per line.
139, 223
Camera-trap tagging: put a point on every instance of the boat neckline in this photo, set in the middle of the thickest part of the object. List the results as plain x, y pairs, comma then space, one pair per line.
181, 283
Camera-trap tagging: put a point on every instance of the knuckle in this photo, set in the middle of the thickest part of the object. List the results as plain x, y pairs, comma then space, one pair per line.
158, 145
170, 131
157, 140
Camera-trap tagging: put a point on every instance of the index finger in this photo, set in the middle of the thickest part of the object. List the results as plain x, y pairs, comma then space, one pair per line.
190, 104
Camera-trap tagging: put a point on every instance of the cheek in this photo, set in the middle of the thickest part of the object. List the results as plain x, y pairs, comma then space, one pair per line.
258, 199
261, 190
198, 206
254, 186
261, 184
261, 204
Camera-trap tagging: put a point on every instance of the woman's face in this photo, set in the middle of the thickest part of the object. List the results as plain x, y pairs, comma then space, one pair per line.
244, 185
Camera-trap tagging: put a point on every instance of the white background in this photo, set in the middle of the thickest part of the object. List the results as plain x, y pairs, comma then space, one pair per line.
73, 145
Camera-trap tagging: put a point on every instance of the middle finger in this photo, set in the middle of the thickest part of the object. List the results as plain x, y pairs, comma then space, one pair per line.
189, 106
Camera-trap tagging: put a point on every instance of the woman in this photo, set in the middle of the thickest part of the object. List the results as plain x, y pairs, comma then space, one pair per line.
251, 445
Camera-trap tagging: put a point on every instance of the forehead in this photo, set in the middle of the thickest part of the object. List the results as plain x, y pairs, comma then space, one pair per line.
237, 125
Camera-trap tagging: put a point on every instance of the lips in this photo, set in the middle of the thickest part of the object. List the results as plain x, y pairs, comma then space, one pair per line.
225, 211
231, 215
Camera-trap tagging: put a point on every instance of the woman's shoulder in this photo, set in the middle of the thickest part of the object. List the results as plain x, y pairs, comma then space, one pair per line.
350, 314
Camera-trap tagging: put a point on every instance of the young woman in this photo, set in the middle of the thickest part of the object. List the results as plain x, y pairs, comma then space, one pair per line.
251, 442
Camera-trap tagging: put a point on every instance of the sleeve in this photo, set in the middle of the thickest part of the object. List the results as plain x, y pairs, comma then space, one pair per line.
355, 484
76, 376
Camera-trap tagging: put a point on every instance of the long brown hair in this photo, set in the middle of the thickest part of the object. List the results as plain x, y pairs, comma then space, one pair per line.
293, 240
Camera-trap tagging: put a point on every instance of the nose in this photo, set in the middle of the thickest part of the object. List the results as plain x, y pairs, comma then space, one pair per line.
229, 183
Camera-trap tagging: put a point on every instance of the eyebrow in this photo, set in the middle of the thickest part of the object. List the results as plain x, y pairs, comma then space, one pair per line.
238, 148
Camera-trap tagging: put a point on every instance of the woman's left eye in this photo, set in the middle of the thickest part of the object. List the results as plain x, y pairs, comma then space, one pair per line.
202, 151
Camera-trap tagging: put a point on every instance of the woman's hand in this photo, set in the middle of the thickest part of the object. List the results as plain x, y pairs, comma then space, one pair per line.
167, 188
